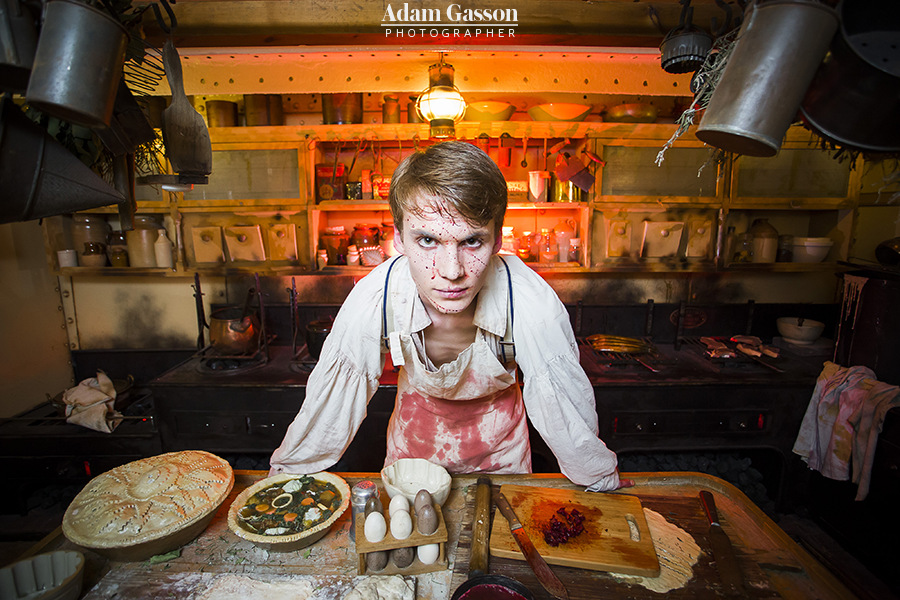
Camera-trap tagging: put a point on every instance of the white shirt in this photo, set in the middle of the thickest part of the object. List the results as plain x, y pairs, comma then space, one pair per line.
559, 399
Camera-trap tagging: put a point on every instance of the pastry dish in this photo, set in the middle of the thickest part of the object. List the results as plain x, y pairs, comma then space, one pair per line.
149, 506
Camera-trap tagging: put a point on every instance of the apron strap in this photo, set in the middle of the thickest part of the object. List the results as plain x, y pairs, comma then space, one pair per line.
508, 336
387, 311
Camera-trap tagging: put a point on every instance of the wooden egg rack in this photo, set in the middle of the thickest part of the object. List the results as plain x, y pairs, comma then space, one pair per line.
415, 539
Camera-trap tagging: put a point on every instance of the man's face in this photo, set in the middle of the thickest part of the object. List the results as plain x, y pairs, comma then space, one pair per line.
447, 256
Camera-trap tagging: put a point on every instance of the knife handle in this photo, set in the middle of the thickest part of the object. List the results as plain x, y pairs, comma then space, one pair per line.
709, 506
478, 561
507, 511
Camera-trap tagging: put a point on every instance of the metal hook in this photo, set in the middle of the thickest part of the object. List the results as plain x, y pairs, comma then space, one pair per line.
312, 142
727, 24
159, 19
415, 139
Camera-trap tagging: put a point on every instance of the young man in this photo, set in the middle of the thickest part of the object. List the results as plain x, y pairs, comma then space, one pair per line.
457, 319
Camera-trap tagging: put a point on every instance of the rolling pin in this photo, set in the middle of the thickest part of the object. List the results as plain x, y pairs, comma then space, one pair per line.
481, 528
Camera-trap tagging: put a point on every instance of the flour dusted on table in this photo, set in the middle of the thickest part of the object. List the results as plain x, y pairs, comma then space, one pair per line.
389, 587
677, 552
237, 587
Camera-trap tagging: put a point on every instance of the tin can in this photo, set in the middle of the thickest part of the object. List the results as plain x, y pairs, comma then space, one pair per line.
359, 495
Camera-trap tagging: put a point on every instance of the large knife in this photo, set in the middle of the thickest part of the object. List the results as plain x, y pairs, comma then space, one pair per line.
722, 550
547, 578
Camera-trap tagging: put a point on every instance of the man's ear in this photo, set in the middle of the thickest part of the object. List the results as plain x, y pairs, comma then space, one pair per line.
498, 243
398, 240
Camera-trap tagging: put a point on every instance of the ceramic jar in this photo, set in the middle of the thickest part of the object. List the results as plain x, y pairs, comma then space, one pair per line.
88, 228
390, 110
364, 236
94, 255
765, 241
141, 240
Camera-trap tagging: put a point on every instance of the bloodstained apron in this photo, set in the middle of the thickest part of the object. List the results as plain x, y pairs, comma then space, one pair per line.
466, 416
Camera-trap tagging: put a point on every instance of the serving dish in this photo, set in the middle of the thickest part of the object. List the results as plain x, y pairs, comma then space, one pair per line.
149, 506
489, 110
560, 112
811, 250
52, 576
799, 331
409, 475
290, 541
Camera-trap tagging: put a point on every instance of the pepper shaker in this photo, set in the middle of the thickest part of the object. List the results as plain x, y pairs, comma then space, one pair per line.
359, 495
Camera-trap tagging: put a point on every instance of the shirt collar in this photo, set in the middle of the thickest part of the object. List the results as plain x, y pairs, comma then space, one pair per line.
490, 308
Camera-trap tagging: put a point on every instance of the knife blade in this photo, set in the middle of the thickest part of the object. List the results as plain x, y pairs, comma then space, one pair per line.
541, 569
723, 551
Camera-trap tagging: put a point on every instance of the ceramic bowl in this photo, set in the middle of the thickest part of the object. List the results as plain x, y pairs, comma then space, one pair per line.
53, 576
409, 475
294, 541
804, 334
489, 110
632, 113
811, 250
560, 112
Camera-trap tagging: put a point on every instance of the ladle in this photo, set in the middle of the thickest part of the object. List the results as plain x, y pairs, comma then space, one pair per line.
242, 325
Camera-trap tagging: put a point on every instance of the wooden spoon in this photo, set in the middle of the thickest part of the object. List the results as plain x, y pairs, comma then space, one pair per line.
184, 130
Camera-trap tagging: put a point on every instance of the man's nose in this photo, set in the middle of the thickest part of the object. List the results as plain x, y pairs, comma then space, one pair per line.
449, 264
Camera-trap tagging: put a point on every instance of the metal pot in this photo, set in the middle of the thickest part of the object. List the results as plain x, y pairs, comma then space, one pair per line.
888, 252
232, 334
342, 109
780, 46
854, 97
316, 332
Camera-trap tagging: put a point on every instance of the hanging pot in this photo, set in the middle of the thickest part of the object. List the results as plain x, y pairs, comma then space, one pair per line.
18, 41
39, 176
77, 64
779, 47
854, 97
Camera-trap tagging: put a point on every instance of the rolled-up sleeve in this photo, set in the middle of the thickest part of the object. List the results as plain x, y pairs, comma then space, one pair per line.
558, 395
340, 386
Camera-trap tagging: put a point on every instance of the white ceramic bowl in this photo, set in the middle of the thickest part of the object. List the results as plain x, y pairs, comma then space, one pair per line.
53, 576
804, 334
409, 475
293, 541
811, 250
489, 110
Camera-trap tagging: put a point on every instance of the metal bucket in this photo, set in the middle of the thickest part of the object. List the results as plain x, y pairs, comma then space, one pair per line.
780, 46
77, 64
854, 97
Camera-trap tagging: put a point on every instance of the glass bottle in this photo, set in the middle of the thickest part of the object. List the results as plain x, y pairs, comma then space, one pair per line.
765, 241
547, 247
743, 251
364, 236
785, 249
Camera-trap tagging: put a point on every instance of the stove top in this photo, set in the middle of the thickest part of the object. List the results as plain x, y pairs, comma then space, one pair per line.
689, 365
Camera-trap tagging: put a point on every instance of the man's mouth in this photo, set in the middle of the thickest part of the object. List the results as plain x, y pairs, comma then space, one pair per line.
453, 292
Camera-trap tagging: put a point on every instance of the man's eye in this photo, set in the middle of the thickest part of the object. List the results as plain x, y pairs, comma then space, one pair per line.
426, 241
473, 242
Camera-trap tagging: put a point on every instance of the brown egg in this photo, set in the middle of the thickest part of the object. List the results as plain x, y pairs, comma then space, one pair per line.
403, 557
428, 521
376, 561
423, 498
373, 504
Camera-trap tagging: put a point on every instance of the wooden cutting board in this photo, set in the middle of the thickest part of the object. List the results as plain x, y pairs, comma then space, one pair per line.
615, 537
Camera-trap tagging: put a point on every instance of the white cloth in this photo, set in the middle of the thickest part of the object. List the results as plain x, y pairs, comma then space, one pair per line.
91, 404
840, 430
557, 394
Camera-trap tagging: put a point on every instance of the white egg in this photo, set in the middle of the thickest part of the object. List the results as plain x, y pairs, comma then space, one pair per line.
375, 527
428, 553
398, 502
401, 525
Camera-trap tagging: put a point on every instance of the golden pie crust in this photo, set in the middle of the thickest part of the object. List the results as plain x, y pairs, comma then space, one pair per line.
147, 499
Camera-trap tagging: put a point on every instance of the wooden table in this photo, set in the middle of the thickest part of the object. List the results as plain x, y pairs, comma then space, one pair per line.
774, 566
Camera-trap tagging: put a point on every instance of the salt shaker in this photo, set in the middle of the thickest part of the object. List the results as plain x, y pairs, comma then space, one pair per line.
359, 495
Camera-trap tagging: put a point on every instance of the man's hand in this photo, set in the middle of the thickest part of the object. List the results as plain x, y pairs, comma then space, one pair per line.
625, 483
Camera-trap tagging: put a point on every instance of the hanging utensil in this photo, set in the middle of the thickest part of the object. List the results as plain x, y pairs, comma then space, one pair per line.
359, 147
242, 325
544, 168
184, 131
524, 153
337, 155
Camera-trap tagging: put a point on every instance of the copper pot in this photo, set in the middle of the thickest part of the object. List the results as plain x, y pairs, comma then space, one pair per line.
232, 334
